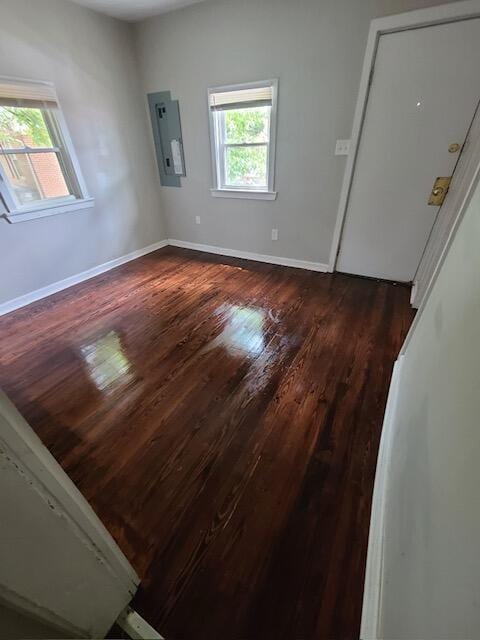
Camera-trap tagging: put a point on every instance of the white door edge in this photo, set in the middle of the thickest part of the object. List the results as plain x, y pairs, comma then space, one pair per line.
28, 447
21, 448
450, 215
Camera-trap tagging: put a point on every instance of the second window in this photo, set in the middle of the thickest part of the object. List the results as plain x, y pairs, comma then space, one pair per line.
242, 120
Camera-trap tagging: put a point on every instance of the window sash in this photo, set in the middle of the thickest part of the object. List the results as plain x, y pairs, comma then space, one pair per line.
223, 163
246, 144
222, 147
12, 200
7, 193
12, 151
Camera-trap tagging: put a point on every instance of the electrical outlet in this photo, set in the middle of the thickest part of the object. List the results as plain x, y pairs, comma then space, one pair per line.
274, 234
197, 219
342, 148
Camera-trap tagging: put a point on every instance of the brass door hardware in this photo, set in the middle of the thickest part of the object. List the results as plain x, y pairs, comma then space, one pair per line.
454, 148
439, 191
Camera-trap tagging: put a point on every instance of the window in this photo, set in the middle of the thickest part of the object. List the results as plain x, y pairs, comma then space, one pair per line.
38, 172
242, 129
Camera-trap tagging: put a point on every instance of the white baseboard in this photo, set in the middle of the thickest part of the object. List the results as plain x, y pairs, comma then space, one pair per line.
247, 255
44, 292
372, 595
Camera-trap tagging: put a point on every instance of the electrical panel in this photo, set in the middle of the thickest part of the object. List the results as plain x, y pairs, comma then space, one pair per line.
167, 134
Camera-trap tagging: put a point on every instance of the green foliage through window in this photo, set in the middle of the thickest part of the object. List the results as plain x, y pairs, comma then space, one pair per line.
247, 125
247, 165
23, 127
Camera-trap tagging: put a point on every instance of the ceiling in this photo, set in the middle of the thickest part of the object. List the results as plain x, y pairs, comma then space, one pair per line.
134, 9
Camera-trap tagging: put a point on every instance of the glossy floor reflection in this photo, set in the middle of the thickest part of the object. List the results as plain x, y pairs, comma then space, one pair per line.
243, 330
223, 419
107, 364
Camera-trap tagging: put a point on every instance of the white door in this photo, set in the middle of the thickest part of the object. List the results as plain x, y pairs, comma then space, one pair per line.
425, 88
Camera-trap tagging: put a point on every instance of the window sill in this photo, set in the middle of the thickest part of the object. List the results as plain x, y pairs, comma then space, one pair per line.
32, 214
249, 195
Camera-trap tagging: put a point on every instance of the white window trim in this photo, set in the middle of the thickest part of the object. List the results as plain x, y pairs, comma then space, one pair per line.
25, 215
251, 194
241, 193
14, 214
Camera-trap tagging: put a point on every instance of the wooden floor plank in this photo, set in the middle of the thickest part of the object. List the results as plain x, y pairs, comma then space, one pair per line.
223, 418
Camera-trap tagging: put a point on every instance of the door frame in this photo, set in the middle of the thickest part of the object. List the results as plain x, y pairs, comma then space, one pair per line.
440, 14
450, 215
22, 449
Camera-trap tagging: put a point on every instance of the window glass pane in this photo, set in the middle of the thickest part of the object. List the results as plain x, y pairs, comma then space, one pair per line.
34, 176
247, 125
21, 127
246, 166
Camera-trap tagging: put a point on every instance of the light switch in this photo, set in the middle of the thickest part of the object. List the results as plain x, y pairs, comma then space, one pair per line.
342, 148
274, 234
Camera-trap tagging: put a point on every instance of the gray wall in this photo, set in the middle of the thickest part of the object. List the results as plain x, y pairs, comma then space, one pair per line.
316, 49
90, 59
431, 581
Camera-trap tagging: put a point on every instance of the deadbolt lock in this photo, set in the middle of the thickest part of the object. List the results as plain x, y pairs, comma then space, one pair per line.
439, 191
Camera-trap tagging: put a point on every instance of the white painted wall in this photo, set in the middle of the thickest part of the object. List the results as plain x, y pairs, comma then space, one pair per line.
90, 59
431, 563
316, 49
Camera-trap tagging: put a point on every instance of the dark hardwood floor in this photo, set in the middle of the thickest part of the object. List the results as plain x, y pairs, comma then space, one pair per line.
223, 419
